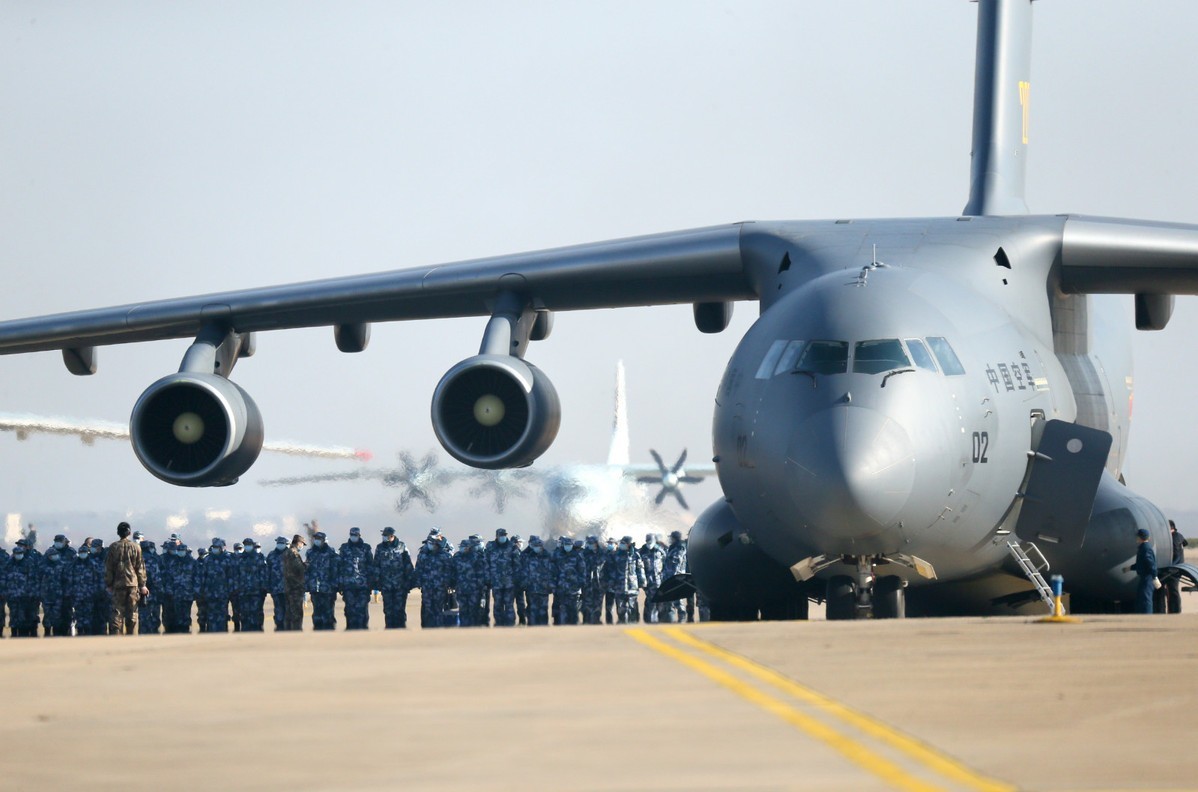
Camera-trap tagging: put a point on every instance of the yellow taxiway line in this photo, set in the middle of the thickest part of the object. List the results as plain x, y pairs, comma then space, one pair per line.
922, 755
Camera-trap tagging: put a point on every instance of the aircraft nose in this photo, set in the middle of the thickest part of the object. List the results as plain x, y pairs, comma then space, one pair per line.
853, 470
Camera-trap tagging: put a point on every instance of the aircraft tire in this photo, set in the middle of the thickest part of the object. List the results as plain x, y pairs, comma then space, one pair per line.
890, 598
841, 599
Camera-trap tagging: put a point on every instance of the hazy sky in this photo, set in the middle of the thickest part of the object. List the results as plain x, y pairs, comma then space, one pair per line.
149, 150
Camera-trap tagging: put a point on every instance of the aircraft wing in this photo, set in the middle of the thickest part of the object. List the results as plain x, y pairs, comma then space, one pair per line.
695, 471
703, 265
89, 430
1112, 256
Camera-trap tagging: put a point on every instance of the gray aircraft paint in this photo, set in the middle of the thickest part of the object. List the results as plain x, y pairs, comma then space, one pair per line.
936, 498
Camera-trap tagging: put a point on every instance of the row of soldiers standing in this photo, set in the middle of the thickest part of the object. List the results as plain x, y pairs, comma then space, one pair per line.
578, 579
584, 579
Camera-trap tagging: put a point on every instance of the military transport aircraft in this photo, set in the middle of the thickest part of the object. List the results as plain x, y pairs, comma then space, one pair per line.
924, 409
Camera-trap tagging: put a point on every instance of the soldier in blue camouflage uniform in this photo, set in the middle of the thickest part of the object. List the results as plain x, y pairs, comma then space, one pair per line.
653, 556
166, 585
21, 581
182, 577
395, 577
470, 581
321, 582
434, 576
56, 587
4, 559
274, 581
569, 573
675, 564
627, 577
503, 567
217, 576
592, 585
101, 600
250, 569
609, 592
82, 577
537, 573
149, 608
356, 580
521, 593
201, 603
234, 598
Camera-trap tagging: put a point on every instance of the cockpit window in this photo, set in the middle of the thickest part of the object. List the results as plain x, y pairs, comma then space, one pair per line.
920, 354
787, 361
877, 357
825, 357
950, 364
766, 369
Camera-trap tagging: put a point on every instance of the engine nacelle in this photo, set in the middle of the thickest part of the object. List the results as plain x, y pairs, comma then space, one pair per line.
495, 411
196, 430
735, 575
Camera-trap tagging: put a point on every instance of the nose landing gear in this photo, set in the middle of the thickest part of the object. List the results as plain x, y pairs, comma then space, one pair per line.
867, 596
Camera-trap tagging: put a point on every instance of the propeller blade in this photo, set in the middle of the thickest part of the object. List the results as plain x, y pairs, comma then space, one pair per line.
661, 496
648, 479
690, 479
660, 464
681, 461
681, 500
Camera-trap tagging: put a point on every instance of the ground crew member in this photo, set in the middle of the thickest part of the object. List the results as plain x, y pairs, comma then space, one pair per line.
125, 580
184, 580
215, 587
149, 608
653, 556
22, 580
569, 573
356, 580
251, 586
294, 585
503, 566
628, 577
1173, 584
675, 564
1145, 569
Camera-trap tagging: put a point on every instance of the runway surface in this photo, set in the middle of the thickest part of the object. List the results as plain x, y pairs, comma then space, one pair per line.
1001, 703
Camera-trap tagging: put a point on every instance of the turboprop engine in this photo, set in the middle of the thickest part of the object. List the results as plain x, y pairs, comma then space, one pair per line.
495, 411
196, 430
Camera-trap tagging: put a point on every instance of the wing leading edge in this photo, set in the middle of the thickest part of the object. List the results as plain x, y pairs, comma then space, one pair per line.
695, 266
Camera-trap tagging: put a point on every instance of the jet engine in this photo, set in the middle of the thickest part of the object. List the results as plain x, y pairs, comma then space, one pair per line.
495, 411
196, 430
740, 581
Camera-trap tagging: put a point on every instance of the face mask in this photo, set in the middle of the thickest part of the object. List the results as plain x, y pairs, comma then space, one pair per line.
623, 546
355, 538
181, 553
502, 540
568, 547
216, 551
18, 556
431, 545
59, 545
281, 546
318, 543
538, 549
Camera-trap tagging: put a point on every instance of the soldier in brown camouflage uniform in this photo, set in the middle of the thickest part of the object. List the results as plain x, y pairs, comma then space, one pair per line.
125, 579
294, 572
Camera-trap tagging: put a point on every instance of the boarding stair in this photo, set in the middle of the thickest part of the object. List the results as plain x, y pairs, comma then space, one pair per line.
1033, 570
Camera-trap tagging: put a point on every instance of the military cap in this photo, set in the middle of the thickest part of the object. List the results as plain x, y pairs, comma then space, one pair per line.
60, 538
534, 539
319, 535
565, 540
22, 543
355, 531
138, 536
517, 538
1143, 533
182, 546
593, 538
218, 542
249, 540
675, 534
388, 531
627, 539
501, 531
578, 543
279, 539
239, 546
97, 542
174, 537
